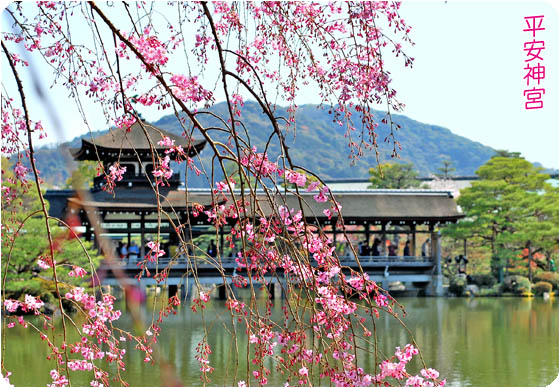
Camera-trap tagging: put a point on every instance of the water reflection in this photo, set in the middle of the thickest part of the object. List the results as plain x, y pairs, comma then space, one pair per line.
472, 342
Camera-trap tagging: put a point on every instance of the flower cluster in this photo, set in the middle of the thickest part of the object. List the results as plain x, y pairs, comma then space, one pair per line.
162, 171
58, 379
188, 89
30, 304
116, 173
155, 251
77, 272
153, 51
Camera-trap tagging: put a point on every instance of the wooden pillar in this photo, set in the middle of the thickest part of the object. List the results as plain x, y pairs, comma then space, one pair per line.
436, 286
186, 291
87, 234
183, 291
271, 290
436, 249
367, 238
172, 290
413, 242
142, 241
383, 240
222, 292
432, 241
128, 226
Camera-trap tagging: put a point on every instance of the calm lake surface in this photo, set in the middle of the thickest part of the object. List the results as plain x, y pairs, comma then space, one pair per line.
472, 342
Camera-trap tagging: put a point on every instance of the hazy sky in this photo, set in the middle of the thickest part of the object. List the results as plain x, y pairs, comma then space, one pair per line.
467, 76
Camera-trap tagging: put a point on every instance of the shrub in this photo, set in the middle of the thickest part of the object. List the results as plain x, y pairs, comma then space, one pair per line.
542, 287
516, 284
457, 285
483, 280
550, 277
495, 290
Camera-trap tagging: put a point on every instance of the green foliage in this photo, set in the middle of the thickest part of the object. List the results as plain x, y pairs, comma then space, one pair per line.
516, 284
542, 287
24, 241
495, 290
393, 176
83, 176
457, 285
512, 210
483, 280
550, 277
508, 154
24, 276
446, 171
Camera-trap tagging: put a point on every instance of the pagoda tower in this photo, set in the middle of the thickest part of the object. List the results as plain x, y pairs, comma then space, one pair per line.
129, 212
134, 149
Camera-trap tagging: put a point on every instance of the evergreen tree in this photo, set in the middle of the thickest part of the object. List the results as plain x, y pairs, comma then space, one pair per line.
394, 176
24, 242
83, 175
446, 170
512, 210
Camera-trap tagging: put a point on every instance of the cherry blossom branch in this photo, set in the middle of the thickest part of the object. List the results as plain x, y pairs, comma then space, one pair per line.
39, 192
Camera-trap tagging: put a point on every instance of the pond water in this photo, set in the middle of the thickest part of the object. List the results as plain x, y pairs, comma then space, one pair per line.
472, 342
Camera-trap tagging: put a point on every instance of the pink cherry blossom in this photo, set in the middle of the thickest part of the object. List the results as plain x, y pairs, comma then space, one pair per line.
155, 251
11, 305
205, 297
188, 89
430, 373
77, 272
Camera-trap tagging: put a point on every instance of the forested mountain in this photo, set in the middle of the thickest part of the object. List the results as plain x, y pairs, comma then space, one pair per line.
318, 143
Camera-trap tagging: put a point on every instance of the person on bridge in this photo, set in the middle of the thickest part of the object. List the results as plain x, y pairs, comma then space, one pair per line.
375, 248
133, 251
392, 249
124, 251
363, 249
406, 250
212, 250
426, 248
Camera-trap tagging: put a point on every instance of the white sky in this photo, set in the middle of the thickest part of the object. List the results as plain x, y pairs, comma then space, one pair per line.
467, 76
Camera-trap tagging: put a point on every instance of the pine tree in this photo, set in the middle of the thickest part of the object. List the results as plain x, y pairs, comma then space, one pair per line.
512, 210
394, 176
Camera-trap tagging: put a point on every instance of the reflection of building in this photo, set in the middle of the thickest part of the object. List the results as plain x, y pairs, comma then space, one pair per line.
131, 213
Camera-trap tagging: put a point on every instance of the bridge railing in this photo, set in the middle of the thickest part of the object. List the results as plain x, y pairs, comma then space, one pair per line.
390, 259
184, 262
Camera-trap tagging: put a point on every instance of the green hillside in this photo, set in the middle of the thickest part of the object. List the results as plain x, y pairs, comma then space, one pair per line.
319, 144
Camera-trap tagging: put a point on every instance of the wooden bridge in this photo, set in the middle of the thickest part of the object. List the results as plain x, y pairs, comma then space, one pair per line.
417, 271
132, 213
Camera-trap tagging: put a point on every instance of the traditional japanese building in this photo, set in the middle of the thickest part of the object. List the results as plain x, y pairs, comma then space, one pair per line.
129, 213
129, 210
